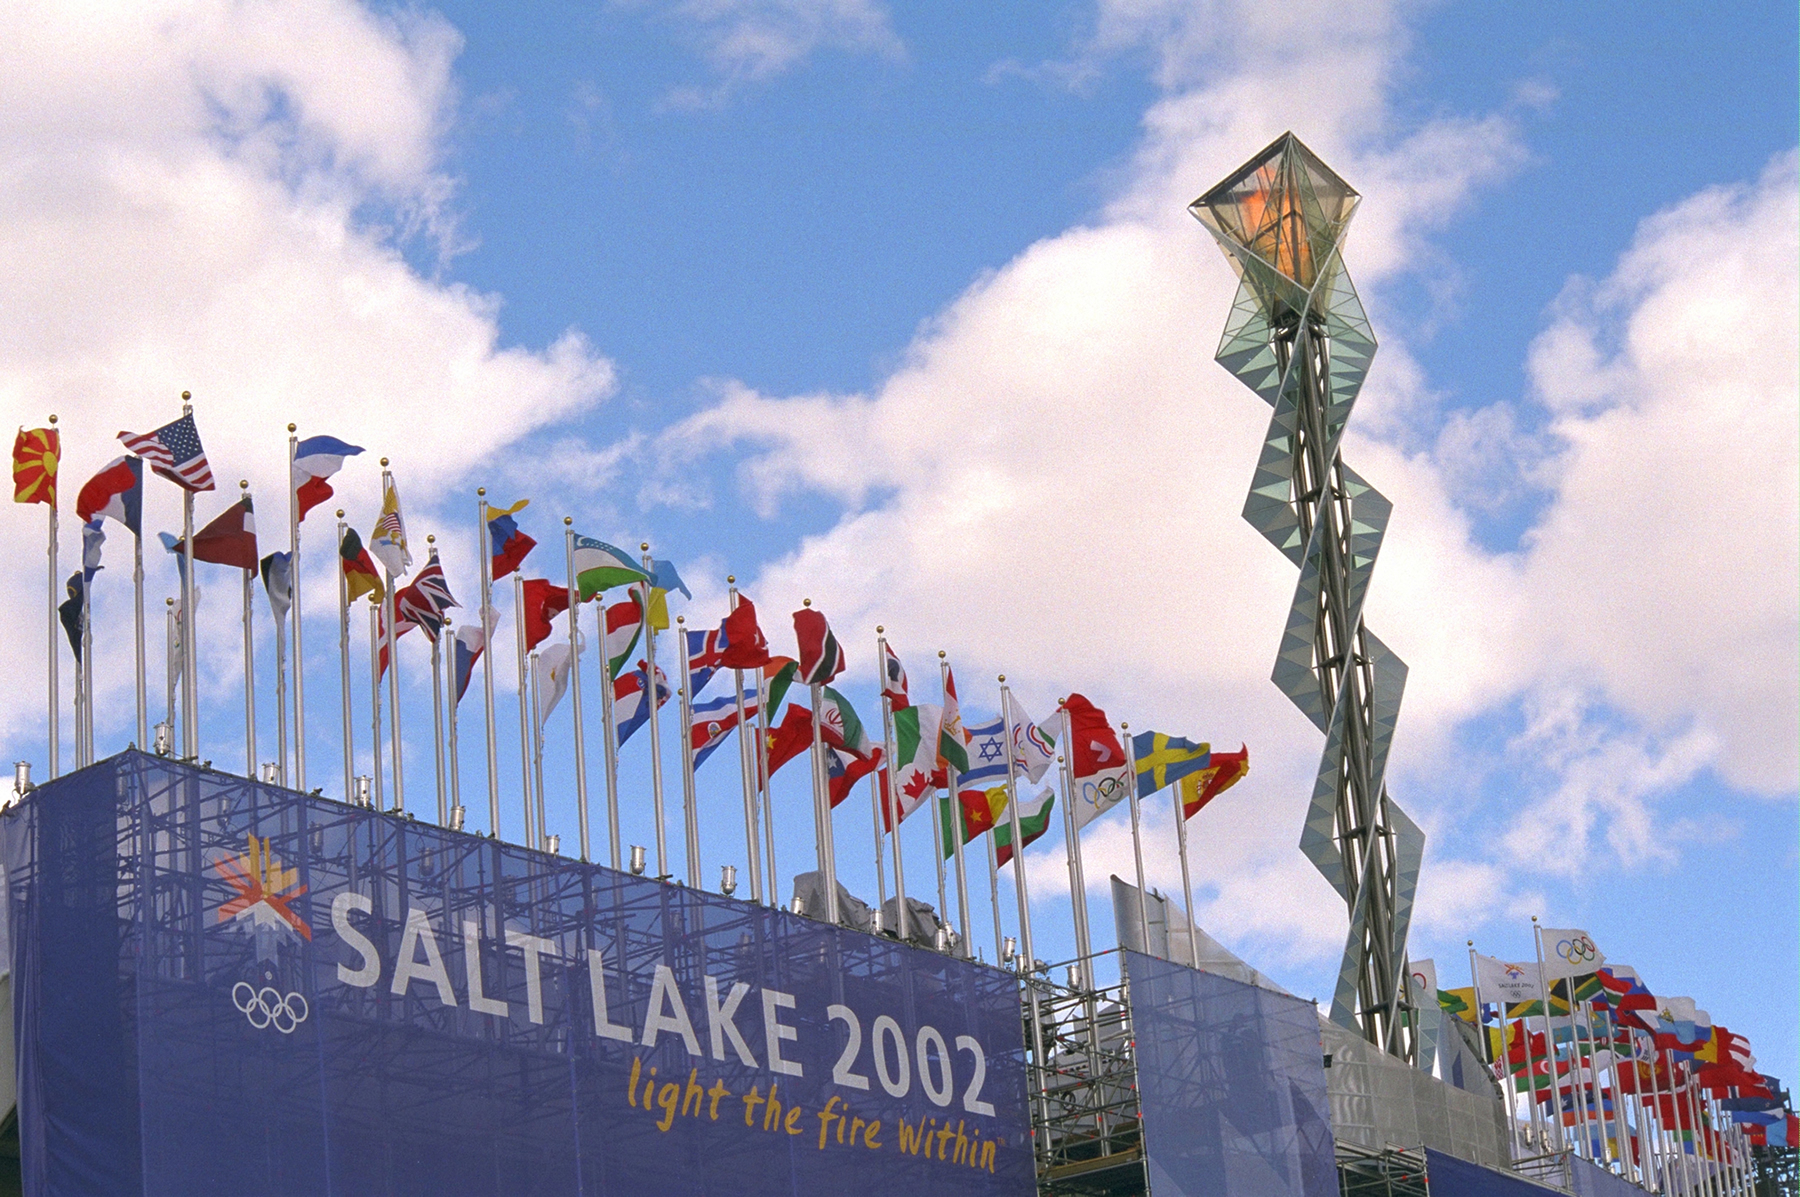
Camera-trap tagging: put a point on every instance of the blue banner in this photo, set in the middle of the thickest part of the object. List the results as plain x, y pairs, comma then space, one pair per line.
288, 995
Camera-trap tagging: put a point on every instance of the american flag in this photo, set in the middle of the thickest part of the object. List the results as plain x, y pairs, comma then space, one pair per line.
174, 452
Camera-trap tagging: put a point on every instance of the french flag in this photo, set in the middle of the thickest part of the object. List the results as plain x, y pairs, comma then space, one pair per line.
116, 491
315, 459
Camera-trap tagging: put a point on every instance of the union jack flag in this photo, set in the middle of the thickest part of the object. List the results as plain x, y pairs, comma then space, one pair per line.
174, 452
426, 599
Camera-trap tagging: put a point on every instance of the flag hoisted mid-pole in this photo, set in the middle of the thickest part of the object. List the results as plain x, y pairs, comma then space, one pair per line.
581, 789
690, 813
959, 828
903, 917
486, 553
524, 709
748, 764
52, 662
1137, 840
343, 582
610, 731
294, 614
650, 696
249, 657
190, 666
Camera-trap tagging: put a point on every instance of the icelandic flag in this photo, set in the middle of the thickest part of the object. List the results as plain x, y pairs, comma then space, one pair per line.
315, 459
116, 491
630, 711
712, 721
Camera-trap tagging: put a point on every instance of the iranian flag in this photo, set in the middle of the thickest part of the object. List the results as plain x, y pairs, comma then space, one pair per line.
839, 725
915, 754
1034, 820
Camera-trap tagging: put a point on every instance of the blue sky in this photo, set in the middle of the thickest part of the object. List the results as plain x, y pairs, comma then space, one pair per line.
901, 312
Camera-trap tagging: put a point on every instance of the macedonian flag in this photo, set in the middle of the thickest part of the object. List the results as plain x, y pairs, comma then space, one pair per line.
35, 453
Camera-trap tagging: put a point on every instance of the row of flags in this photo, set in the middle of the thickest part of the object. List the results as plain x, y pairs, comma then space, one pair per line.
966, 767
1624, 1072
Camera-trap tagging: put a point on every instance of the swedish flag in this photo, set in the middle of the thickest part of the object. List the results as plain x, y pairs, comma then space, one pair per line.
1164, 759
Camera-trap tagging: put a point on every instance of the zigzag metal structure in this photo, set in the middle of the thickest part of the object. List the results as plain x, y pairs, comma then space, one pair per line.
1298, 336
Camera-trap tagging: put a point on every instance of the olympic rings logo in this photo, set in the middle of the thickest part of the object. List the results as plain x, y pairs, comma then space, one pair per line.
268, 1007
1104, 790
1580, 950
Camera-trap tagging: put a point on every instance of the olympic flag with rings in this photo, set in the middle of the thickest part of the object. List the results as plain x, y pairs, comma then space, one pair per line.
1569, 952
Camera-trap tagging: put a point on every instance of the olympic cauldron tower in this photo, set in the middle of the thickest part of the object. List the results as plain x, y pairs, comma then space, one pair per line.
1298, 336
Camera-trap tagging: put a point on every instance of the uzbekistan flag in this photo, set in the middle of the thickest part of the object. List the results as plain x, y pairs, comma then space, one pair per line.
601, 566
315, 459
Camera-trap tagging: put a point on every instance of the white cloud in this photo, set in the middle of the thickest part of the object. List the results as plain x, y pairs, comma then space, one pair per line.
1050, 485
214, 196
751, 41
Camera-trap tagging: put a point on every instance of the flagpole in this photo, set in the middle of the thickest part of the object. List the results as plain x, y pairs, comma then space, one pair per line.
1084, 948
1487, 1053
281, 723
1018, 838
86, 662
1137, 842
249, 658
1024, 898
343, 588
650, 695
993, 864
393, 678
821, 809
453, 700
169, 666
609, 728
437, 708
1549, 1033
524, 704
749, 756
52, 662
294, 614
960, 831
143, 675
880, 848
537, 752
688, 809
938, 811
763, 810
375, 699
1187, 886
190, 657
485, 552
903, 915
581, 786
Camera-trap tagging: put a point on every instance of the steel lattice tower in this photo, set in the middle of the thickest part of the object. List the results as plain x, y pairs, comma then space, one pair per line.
1298, 336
